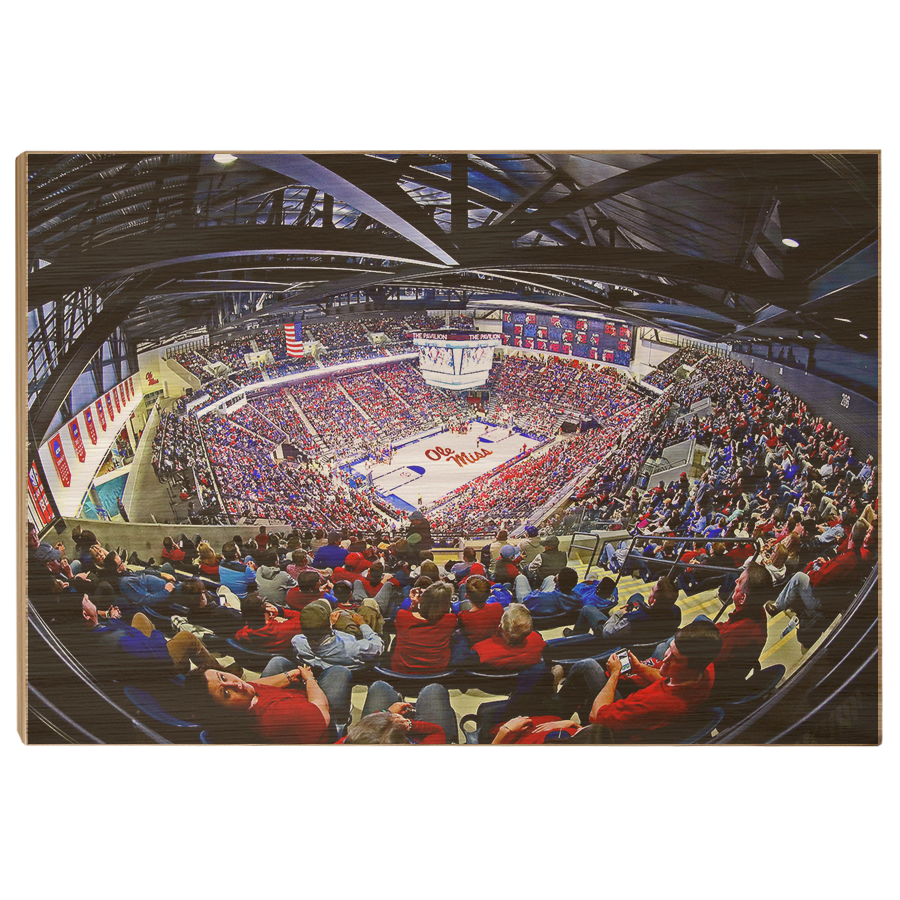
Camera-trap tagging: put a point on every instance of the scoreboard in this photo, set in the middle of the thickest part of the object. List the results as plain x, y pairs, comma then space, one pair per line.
455, 361
604, 340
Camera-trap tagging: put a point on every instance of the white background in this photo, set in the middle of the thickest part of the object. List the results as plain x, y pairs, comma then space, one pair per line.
661, 822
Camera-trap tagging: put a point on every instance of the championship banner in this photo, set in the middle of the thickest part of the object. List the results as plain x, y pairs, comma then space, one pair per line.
36, 489
116, 398
101, 415
91, 428
75, 434
112, 417
59, 460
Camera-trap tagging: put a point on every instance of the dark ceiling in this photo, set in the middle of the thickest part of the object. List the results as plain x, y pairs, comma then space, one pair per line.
690, 242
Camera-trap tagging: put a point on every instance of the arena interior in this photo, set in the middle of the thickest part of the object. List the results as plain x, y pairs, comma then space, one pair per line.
468, 448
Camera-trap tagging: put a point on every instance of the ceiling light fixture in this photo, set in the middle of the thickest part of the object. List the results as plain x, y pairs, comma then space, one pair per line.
839, 319
790, 242
863, 335
819, 336
224, 158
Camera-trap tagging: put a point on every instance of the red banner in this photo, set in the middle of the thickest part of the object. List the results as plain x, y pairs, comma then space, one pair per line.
541, 345
529, 343
593, 352
581, 324
567, 348
59, 460
89, 424
112, 416
36, 488
78, 443
131, 384
101, 415
116, 398
124, 390
530, 319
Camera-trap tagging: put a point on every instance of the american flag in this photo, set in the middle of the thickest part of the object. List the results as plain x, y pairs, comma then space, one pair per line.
293, 338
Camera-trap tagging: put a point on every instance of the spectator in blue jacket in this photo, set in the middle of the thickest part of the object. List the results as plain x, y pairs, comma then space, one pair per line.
143, 588
332, 555
233, 573
562, 598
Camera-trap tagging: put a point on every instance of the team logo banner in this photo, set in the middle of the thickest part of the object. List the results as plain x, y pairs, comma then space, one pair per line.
112, 416
59, 460
116, 398
91, 428
36, 489
75, 433
101, 415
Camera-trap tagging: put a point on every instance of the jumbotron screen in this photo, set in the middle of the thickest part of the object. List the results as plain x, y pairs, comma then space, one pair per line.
456, 362
601, 339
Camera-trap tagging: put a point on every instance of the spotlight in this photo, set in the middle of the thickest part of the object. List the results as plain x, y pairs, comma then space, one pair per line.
790, 242
224, 158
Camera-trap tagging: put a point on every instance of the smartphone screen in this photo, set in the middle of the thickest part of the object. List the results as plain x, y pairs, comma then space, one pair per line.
626, 662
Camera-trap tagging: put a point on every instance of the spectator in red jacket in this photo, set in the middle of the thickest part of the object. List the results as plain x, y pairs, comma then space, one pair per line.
266, 626
171, 552
423, 631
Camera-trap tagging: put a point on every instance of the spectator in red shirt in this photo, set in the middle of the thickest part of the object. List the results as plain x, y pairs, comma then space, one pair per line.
209, 561
271, 709
516, 645
680, 685
171, 552
423, 632
479, 619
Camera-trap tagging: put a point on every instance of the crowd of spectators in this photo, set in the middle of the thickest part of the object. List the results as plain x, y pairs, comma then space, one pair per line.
663, 375
277, 408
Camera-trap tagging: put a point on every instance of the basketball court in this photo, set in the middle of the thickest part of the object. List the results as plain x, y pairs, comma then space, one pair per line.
433, 466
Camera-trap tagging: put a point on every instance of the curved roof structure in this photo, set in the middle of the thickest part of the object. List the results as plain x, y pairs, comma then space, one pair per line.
742, 246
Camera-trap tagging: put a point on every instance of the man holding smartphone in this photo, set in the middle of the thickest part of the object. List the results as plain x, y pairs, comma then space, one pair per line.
680, 685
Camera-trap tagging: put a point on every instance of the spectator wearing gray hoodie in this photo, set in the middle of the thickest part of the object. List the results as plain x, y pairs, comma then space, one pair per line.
273, 584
